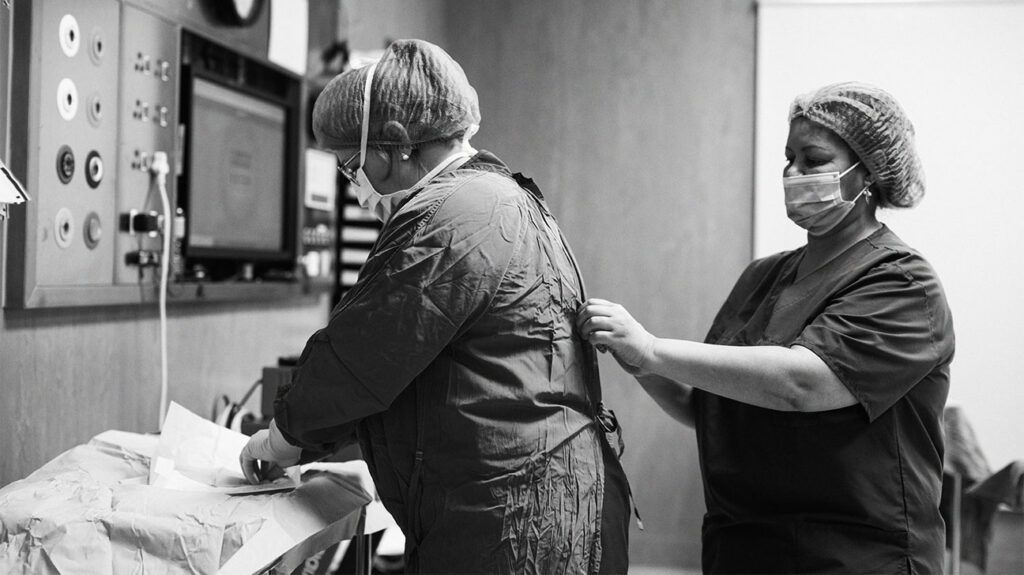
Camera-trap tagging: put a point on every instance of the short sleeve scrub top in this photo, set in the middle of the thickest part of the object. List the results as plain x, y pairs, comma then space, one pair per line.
851, 490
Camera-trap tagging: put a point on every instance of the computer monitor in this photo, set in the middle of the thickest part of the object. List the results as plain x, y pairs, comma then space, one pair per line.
237, 175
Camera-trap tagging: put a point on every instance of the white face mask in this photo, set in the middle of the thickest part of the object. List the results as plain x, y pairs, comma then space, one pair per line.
383, 205
815, 201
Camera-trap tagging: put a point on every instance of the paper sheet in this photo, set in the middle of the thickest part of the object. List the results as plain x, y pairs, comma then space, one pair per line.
90, 510
195, 454
11, 190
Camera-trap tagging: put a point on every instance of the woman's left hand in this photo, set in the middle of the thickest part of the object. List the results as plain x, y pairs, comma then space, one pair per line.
608, 325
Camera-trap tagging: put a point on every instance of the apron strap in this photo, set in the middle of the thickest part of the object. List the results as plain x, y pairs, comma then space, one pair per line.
604, 418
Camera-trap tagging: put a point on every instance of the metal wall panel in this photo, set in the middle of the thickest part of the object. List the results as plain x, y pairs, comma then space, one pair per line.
95, 92
148, 111
75, 66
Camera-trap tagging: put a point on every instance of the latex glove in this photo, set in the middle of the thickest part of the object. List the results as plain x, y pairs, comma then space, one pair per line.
610, 327
267, 445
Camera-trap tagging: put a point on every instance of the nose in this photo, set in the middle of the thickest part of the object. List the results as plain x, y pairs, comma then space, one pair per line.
791, 170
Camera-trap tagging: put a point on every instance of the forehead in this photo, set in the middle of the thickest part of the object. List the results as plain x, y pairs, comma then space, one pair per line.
805, 133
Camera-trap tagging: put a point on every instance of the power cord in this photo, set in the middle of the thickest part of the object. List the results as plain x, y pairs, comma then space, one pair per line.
159, 170
227, 413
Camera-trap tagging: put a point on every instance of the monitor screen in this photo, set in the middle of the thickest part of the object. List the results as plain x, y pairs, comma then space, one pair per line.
236, 172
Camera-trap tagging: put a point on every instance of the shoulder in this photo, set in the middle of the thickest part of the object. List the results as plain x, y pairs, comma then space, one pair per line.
474, 191
897, 279
891, 258
465, 196
458, 212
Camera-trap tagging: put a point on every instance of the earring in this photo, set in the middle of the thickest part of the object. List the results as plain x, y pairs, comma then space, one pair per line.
405, 156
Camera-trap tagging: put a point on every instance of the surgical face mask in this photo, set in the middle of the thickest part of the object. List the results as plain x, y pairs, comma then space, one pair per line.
383, 205
815, 201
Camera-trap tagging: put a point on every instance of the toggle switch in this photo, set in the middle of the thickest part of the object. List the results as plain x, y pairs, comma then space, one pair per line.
136, 222
142, 258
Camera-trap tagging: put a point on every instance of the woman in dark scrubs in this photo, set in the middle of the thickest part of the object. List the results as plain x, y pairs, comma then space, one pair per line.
817, 396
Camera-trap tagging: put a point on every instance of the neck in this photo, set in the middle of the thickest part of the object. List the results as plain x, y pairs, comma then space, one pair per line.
822, 249
406, 173
431, 155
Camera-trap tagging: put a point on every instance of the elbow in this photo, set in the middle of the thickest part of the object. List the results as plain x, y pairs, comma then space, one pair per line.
790, 399
811, 392
797, 391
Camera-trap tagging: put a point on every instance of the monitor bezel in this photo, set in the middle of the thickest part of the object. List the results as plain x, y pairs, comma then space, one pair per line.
286, 253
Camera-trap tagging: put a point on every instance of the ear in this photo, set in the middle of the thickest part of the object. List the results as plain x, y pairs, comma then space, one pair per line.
395, 133
868, 178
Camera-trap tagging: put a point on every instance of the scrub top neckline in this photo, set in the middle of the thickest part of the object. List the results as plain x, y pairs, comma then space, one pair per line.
796, 278
790, 291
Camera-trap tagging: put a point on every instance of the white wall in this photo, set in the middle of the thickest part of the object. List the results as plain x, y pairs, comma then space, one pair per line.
958, 70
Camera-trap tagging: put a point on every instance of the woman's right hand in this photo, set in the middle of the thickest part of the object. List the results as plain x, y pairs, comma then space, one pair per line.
609, 326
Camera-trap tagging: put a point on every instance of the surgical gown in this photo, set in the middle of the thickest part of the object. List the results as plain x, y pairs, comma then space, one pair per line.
852, 490
454, 360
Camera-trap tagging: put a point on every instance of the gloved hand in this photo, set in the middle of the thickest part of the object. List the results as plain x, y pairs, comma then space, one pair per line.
270, 446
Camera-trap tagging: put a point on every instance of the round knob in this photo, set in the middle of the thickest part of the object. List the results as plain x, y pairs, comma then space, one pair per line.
93, 230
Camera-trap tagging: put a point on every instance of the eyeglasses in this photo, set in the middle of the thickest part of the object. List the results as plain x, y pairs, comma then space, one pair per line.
348, 172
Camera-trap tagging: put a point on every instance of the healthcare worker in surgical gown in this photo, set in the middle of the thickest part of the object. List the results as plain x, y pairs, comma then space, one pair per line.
454, 359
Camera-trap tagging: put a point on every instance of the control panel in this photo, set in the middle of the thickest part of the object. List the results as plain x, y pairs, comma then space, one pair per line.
99, 89
149, 88
74, 73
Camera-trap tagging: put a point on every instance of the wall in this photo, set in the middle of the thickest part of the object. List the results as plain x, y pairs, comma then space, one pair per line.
371, 24
66, 375
968, 224
636, 118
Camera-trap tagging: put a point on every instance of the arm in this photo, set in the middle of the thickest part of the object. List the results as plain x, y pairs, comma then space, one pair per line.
773, 377
672, 397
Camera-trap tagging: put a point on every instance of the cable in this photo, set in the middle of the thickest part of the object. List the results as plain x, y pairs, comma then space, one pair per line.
159, 169
248, 394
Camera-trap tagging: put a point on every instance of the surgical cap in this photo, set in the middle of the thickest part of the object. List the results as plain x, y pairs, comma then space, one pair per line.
874, 125
416, 85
